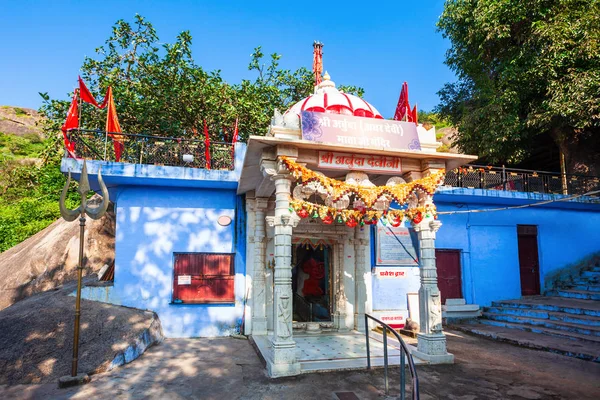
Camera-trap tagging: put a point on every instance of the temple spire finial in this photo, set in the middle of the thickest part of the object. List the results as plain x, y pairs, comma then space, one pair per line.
317, 61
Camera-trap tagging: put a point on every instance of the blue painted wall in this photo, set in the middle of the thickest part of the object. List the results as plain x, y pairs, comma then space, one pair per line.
567, 232
152, 224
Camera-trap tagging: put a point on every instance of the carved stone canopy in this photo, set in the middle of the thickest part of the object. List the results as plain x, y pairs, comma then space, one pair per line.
314, 189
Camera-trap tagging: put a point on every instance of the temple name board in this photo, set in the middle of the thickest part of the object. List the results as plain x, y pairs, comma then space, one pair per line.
361, 162
359, 131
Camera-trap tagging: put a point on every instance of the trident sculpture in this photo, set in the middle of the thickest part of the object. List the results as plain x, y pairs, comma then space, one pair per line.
71, 215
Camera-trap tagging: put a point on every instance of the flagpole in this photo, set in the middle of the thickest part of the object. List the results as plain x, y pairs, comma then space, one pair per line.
78, 111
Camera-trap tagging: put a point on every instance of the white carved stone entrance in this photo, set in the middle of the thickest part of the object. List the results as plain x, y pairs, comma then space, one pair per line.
271, 299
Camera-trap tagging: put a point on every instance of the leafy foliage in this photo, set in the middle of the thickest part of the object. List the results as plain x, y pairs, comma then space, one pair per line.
523, 69
432, 119
159, 88
14, 147
29, 191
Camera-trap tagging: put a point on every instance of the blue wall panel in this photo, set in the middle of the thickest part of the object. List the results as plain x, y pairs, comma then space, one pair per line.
152, 224
488, 241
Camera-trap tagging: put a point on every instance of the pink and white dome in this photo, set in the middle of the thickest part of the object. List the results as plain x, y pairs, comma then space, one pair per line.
329, 99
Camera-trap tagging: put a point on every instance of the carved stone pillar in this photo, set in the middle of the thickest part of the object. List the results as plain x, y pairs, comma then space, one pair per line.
360, 250
284, 362
431, 345
259, 314
340, 292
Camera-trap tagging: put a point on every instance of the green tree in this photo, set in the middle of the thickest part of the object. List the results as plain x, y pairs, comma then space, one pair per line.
159, 89
524, 69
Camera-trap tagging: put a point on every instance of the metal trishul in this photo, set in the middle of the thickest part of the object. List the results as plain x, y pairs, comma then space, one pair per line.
84, 188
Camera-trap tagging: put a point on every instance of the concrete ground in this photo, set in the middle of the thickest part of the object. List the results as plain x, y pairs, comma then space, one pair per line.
229, 369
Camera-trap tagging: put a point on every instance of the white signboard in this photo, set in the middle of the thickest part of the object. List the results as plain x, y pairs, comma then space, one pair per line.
184, 280
361, 162
394, 318
389, 251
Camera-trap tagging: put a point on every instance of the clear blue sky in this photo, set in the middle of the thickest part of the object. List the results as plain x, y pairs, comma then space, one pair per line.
373, 44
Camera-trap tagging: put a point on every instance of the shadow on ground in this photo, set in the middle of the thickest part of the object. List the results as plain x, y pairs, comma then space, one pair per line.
36, 336
228, 368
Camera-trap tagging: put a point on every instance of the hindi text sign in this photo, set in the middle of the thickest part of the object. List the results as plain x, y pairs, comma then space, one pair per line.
389, 251
360, 162
359, 131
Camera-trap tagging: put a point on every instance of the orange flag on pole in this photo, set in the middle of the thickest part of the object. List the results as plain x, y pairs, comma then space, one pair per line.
86, 95
112, 124
71, 122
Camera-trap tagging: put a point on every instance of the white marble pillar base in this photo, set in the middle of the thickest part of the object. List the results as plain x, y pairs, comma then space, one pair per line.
259, 326
359, 322
432, 348
284, 362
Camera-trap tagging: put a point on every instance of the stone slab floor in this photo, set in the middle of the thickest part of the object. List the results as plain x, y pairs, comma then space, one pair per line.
229, 369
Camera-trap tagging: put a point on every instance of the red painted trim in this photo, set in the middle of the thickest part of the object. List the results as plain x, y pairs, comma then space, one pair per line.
325, 101
368, 105
303, 104
350, 106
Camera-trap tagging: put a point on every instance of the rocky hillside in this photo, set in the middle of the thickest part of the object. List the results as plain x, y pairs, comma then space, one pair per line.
40, 250
36, 336
49, 258
19, 121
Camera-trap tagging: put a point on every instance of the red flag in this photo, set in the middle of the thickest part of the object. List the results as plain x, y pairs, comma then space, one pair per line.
235, 132
112, 124
234, 140
86, 95
71, 122
403, 111
415, 115
206, 146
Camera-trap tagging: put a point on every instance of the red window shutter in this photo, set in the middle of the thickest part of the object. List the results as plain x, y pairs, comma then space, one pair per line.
212, 278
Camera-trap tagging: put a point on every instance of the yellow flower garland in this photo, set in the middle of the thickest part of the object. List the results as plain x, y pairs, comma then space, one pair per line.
369, 195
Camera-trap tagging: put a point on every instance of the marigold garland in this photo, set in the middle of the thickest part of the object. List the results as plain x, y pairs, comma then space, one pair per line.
369, 195
306, 209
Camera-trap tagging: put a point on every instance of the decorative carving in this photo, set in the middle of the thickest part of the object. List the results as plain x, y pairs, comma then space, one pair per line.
277, 119
435, 313
285, 220
395, 180
291, 120
284, 316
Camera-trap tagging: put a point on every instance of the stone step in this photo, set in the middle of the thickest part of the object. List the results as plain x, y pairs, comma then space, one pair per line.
580, 319
542, 330
579, 349
544, 322
588, 287
575, 294
555, 304
591, 274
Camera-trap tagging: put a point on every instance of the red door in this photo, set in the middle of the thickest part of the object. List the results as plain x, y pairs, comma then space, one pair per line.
448, 271
529, 265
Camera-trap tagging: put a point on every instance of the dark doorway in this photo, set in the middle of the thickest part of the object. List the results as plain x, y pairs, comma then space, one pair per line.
448, 270
529, 265
311, 283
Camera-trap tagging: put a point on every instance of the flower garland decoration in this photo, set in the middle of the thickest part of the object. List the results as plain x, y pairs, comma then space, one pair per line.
352, 218
369, 195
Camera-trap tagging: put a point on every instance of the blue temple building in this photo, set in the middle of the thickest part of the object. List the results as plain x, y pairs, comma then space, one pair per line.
217, 248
